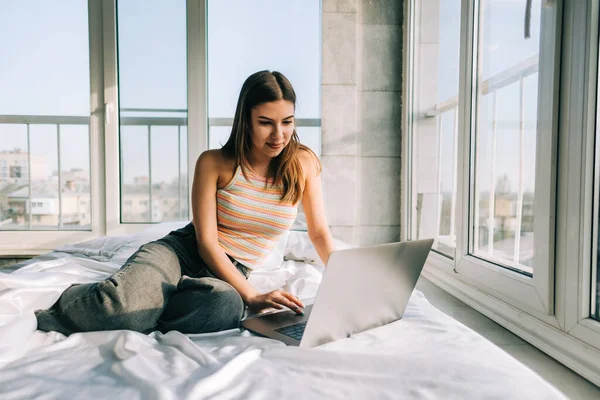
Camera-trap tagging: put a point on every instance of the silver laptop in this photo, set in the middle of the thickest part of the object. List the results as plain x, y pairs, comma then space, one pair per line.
362, 288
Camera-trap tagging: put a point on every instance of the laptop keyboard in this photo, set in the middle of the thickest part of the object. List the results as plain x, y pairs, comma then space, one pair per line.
294, 331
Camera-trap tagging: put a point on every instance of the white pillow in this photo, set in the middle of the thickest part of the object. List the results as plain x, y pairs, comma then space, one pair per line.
300, 248
157, 231
102, 248
300, 222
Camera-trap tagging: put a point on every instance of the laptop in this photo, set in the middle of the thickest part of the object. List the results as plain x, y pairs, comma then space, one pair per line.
362, 288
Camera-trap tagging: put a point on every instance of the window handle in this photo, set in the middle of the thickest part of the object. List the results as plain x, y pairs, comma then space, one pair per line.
108, 110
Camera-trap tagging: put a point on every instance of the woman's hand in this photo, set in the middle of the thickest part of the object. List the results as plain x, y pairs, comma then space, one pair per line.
276, 299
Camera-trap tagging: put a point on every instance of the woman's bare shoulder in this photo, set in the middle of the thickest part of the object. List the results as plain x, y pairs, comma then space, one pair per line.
310, 162
219, 163
215, 159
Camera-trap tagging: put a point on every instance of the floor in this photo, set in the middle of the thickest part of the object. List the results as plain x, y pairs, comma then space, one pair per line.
571, 384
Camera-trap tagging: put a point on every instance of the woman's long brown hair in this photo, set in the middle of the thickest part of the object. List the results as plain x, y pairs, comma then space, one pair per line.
263, 87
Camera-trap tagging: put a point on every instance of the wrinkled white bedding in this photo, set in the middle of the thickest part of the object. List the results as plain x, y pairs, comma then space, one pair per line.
426, 355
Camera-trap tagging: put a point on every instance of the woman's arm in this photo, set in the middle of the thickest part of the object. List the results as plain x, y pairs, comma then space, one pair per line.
204, 210
314, 209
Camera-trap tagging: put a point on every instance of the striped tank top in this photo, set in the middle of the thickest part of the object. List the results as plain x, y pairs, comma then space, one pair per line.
251, 217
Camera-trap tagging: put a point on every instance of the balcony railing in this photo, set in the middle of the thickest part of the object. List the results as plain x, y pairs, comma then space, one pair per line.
57, 121
143, 117
179, 122
489, 87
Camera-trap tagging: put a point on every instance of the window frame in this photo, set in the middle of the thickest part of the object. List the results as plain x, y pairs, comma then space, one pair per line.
197, 120
552, 312
533, 294
35, 242
104, 130
579, 209
104, 126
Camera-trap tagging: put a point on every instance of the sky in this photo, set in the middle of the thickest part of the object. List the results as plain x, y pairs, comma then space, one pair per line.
44, 70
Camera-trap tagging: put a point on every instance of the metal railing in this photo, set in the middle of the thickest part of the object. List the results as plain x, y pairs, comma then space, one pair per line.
179, 122
126, 119
489, 87
149, 122
57, 121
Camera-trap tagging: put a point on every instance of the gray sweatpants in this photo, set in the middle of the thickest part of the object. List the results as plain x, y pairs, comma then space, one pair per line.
165, 285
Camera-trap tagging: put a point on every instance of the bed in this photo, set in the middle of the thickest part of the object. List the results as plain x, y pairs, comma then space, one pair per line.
425, 355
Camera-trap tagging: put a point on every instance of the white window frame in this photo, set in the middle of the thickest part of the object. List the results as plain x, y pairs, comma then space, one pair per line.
31, 242
532, 294
196, 105
579, 153
104, 130
550, 310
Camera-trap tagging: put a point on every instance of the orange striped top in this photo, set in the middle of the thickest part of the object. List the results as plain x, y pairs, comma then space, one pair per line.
251, 217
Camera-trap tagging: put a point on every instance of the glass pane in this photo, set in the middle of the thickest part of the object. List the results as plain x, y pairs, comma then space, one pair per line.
76, 206
232, 25
153, 110
44, 136
505, 134
44, 177
595, 259
434, 122
183, 174
217, 136
310, 136
165, 192
135, 180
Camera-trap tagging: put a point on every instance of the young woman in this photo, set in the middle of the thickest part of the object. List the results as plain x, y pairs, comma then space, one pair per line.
244, 197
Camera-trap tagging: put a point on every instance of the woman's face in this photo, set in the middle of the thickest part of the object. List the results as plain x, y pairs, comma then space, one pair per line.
272, 128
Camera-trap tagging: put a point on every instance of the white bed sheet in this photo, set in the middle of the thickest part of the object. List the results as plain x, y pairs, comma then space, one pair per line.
426, 355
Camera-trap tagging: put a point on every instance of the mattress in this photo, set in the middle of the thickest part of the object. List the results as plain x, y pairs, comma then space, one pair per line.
425, 355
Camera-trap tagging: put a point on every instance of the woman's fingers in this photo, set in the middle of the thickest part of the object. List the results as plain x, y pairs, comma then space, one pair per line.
283, 299
292, 298
279, 299
274, 304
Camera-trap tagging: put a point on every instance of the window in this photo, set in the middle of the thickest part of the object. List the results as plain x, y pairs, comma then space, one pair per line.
504, 149
15, 172
232, 24
128, 61
517, 226
153, 105
45, 51
434, 123
474, 104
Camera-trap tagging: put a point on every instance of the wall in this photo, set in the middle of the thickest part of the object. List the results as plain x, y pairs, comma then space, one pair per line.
361, 108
